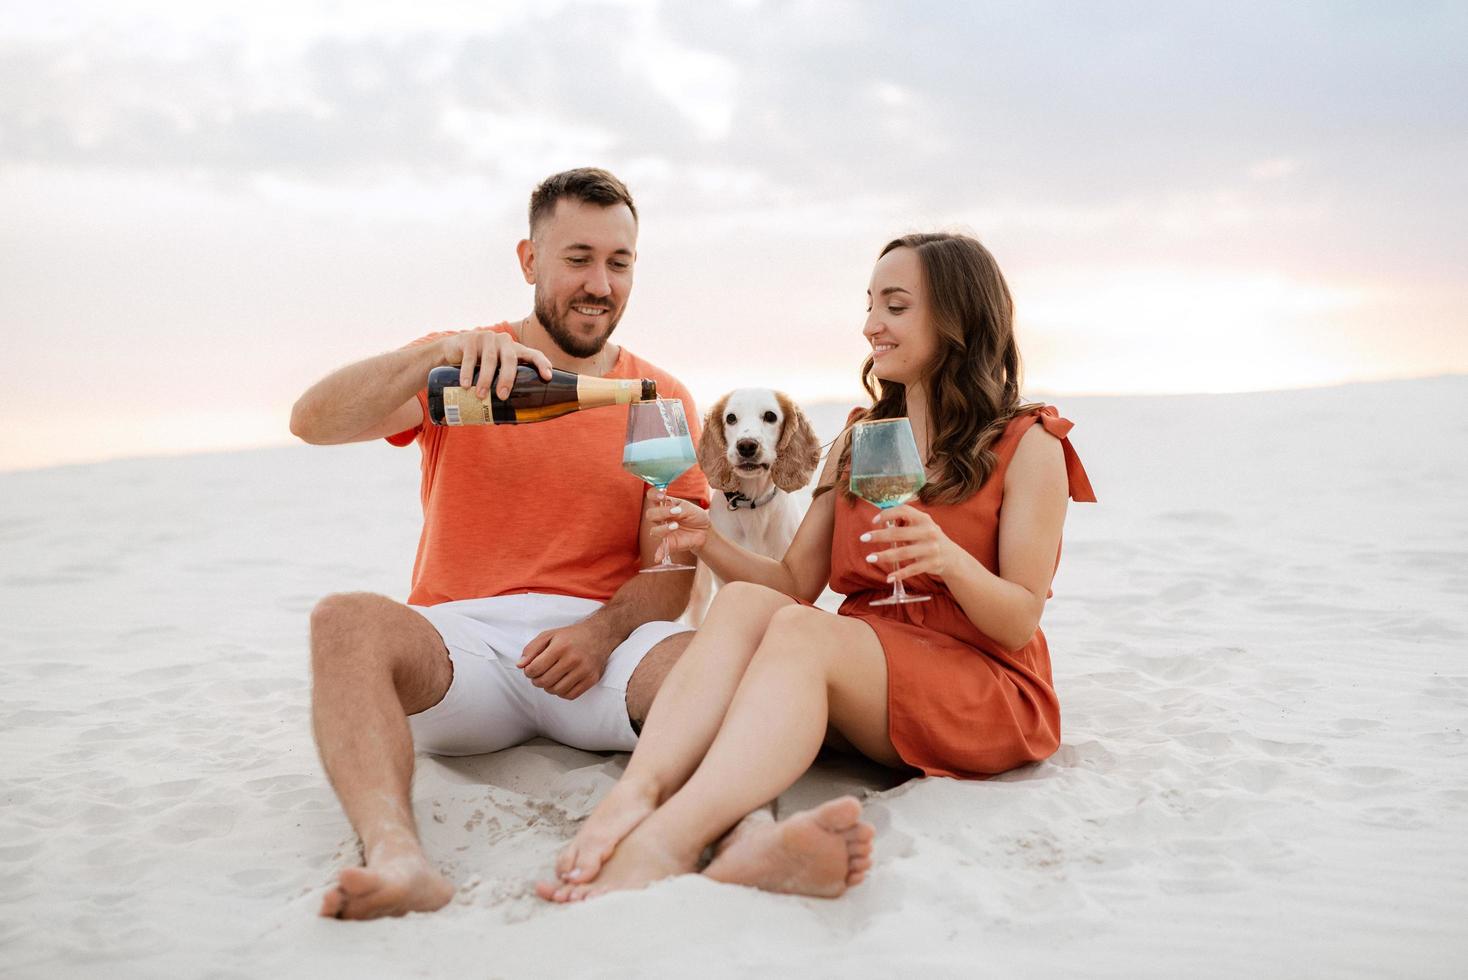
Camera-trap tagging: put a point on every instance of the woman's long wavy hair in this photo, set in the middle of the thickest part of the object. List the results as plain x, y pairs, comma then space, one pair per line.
973, 382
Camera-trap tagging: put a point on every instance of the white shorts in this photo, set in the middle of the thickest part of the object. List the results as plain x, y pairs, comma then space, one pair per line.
492, 705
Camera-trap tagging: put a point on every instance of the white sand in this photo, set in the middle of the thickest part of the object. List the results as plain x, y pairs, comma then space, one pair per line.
1258, 639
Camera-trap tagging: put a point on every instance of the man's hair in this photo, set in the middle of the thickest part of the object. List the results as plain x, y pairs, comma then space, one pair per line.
591, 185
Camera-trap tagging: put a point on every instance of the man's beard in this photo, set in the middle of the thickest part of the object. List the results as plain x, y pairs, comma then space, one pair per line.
571, 343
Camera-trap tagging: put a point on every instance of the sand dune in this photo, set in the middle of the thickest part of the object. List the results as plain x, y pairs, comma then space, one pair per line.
1258, 639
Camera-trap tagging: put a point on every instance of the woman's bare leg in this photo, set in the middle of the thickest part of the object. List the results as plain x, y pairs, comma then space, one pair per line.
810, 668
679, 728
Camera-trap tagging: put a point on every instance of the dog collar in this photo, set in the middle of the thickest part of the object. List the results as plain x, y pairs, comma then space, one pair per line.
737, 500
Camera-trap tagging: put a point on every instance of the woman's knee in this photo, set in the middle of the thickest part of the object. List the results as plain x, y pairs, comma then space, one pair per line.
748, 603
746, 593
798, 633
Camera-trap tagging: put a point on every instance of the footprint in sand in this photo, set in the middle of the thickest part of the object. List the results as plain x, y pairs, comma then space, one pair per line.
1199, 518
1355, 726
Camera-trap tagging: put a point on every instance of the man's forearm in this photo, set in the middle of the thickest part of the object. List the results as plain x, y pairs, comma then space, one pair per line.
347, 402
643, 599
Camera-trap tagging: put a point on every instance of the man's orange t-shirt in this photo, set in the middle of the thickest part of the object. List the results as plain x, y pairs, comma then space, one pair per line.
538, 507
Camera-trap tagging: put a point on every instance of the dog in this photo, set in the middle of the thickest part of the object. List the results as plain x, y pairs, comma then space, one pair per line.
757, 448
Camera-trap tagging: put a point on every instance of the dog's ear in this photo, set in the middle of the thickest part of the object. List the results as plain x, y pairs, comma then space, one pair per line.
799, 451
713, 449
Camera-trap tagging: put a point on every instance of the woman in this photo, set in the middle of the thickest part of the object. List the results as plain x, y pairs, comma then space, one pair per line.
956, 686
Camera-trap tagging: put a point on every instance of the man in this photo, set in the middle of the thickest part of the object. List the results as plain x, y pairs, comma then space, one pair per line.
526, 616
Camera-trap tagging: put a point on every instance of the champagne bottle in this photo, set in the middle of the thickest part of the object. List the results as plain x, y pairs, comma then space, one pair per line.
531, 399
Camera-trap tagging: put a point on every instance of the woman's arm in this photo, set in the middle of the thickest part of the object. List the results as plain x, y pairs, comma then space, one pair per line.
803, 570
806, 565
1007, 606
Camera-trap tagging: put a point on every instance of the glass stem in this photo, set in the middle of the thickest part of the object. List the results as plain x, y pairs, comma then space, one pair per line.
898, 592
667, 548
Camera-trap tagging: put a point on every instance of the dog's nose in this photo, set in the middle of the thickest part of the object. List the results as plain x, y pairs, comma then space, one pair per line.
747, 447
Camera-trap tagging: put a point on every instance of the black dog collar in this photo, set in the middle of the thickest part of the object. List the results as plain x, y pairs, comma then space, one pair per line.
737, 500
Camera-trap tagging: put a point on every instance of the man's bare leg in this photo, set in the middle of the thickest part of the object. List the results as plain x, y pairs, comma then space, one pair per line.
374, 662
681, 724
647, 679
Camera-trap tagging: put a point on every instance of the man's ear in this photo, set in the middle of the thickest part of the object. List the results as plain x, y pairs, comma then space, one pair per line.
526, 252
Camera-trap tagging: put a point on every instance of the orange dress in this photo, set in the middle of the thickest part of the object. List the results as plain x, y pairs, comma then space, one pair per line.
958, 703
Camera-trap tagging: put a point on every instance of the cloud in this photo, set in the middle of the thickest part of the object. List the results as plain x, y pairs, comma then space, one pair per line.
418, 103
948, 102
348, 173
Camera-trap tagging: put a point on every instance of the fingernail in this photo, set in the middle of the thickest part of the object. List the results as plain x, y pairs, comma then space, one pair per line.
672, 525
871, 557
866, 537
676, 511
573, 874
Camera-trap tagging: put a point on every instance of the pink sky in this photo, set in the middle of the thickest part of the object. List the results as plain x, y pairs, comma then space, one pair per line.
204, 214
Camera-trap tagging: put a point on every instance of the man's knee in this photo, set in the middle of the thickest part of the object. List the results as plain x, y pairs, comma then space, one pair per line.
346, 625
360, 634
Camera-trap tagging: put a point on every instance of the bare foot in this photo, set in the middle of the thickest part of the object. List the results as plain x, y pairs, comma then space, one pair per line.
397, 879
762, 817
638, 861
820, 852
620, 811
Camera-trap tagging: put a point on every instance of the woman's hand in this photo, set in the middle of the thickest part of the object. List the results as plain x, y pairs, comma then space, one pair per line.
682, 524
915, 542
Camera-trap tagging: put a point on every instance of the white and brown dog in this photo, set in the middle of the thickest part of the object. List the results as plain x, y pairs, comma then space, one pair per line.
757, 448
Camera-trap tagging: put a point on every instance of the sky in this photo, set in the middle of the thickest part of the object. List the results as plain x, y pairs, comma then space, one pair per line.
206, 207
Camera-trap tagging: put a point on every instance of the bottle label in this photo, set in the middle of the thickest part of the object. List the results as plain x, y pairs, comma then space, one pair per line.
461, 407
594, 392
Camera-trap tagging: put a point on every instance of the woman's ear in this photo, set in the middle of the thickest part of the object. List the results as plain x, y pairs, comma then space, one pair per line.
798, 452
713, 450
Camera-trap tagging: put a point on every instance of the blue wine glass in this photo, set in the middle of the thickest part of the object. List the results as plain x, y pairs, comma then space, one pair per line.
658, 451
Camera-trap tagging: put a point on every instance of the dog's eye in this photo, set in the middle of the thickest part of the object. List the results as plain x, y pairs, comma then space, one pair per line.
730, 419
771, 418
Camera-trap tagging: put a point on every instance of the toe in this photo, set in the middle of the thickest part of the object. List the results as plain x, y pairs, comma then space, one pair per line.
332, 903
547, 890
566, 860
839, 815
582, 862
356, 882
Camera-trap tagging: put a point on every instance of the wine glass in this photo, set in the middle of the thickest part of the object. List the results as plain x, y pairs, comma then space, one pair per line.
658, 450
886, 471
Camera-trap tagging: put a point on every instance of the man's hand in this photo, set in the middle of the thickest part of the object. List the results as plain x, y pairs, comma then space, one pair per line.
568, 661
491, 352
